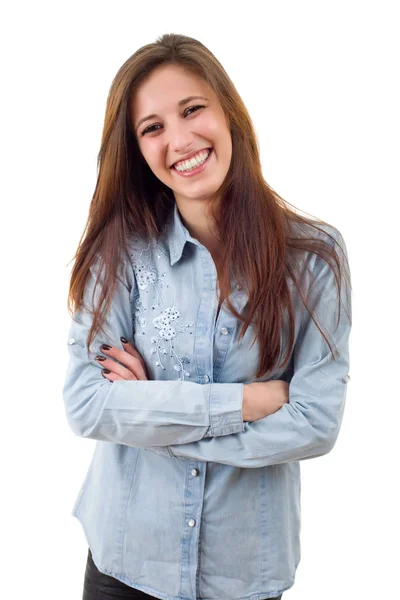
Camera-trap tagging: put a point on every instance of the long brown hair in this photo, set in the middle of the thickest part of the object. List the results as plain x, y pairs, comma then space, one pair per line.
254, 222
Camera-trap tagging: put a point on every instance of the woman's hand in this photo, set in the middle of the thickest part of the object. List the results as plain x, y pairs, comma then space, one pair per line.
133, 366
261, 399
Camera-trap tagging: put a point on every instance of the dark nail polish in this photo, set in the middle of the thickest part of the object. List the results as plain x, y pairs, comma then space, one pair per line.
123, 340
100, 358
105, 347
107, 371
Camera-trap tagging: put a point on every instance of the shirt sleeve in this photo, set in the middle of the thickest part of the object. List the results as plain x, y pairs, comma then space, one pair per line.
138, 413
309, 424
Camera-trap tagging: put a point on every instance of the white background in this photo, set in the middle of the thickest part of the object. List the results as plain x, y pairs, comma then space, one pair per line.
320, 80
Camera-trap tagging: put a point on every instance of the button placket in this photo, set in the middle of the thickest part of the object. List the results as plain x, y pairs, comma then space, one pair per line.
205, 327
195, 484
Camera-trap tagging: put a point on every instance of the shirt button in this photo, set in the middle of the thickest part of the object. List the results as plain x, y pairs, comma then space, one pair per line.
71, 341
346, 378
224, 331
191, 522
206, 378
195, 472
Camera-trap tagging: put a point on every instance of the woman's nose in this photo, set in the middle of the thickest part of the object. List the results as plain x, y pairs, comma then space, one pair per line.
180, 138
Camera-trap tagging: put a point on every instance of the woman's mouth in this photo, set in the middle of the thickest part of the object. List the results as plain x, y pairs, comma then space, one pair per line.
188, 169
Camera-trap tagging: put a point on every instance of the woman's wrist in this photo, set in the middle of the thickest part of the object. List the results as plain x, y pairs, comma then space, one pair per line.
246, 402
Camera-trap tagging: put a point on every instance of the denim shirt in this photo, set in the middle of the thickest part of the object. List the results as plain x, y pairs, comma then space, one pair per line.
182, 499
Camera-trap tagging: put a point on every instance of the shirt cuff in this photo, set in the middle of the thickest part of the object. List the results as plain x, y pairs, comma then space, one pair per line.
226, 401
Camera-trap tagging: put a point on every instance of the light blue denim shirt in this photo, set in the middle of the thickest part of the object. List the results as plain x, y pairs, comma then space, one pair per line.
182, 499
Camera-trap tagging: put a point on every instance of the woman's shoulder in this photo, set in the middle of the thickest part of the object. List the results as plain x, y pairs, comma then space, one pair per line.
310, 230
312, 243
309, 239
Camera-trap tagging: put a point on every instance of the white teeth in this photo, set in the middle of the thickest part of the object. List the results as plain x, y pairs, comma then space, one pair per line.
194, 162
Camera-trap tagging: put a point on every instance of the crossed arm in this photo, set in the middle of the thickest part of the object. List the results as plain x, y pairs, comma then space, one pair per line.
124, 407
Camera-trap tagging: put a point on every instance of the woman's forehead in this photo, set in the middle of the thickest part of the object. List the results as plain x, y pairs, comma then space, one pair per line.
171, 81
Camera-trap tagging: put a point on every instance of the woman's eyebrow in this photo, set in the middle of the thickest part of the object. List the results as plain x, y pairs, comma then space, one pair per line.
180, 103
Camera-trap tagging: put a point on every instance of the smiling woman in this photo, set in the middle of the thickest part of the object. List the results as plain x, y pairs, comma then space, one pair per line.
220, 320
183, 140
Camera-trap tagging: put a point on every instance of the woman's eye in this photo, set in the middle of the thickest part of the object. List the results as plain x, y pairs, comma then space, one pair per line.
150, 129
194, 107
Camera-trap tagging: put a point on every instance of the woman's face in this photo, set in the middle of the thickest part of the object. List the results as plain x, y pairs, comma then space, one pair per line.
171, 125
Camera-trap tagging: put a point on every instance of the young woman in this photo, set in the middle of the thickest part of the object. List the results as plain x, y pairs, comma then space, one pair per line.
209, 345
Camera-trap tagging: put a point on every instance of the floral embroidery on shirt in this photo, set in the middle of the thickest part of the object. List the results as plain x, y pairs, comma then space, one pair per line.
167, 321
168, 326
140, 316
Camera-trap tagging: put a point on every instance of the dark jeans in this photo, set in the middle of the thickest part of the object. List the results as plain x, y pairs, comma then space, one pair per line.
98, 586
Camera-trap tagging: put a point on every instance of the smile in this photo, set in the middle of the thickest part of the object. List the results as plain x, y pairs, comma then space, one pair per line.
194, 165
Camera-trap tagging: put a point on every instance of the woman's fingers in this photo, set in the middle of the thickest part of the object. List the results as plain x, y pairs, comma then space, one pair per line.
116, 370
129, 347
111, 376
130, 368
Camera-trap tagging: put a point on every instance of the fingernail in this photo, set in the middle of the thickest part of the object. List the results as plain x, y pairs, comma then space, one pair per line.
105, 347
107, 371
100, 358
123, 340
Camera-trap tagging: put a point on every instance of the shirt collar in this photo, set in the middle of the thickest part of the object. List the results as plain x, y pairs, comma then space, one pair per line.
177, 236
